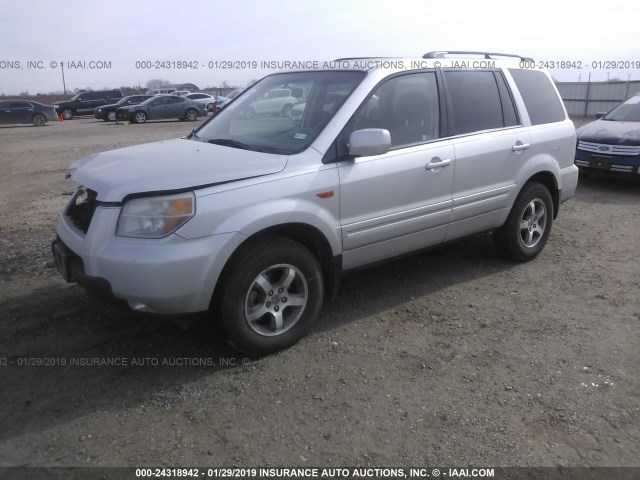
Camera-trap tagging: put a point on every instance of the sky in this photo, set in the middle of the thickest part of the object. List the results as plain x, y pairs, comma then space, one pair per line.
121, 38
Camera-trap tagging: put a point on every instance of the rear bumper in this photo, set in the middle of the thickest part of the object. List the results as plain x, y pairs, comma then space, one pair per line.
568, 183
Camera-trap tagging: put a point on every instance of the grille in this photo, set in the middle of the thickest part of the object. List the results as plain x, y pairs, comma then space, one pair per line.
81, 208
604, 149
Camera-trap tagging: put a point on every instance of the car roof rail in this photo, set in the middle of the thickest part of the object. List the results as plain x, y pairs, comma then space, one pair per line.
487, 55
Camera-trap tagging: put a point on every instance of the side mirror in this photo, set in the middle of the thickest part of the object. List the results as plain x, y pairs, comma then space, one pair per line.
369, 142
600, 115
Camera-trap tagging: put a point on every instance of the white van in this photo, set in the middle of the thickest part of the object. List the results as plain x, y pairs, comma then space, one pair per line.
161, 91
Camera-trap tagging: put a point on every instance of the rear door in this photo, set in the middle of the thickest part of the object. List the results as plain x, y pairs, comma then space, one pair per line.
401, 201
491, 147
21, 112
176, 108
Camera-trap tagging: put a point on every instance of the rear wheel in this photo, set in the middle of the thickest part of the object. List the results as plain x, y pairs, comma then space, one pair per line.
39, 120
270, 295
286, 110
525, 233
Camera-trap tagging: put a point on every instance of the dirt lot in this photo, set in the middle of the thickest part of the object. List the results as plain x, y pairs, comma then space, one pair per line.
452, 357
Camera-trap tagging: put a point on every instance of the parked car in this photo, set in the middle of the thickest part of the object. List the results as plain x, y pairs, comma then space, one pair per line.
222, 101
85, 103
162, 91
23, 111
277, 101
612, 142
108, 112
206, 100
255, 219
161, 107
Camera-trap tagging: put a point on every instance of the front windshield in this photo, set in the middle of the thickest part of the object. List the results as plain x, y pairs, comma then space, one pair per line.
627, 111
282, 113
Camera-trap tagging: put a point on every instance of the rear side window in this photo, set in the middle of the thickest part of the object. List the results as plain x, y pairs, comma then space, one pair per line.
540, 98
475, 101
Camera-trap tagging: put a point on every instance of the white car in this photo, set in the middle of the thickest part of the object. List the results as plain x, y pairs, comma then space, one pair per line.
277, 101
254, 219
204, 99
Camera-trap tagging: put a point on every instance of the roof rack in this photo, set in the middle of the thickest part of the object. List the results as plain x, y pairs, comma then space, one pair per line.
487, 55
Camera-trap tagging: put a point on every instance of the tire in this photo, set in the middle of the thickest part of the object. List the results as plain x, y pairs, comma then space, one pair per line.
191, 115
210, 107
139, 117
111, 116
68, 113
39, 120
286, 110
270, 295
525, 233
249, 113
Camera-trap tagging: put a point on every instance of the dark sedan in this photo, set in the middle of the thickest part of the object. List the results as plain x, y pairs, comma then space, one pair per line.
22, 111
612, 143
161, 107
108, 112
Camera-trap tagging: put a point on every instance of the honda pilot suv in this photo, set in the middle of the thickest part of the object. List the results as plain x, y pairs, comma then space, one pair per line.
255, 218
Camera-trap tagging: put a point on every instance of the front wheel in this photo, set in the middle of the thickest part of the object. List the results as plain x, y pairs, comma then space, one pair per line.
270, 295
67, 114
525, 233
111, 116
139, 117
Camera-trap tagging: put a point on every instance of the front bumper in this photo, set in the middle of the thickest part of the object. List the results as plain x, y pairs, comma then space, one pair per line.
168, 276
608, 163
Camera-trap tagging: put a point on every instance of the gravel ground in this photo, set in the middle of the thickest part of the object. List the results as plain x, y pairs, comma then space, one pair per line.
451, 357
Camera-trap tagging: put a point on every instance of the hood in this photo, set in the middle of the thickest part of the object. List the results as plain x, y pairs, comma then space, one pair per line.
110, 105
169, 165
128, 107
610, 132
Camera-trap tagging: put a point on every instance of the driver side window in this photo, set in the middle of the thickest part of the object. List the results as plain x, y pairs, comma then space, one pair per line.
407, 106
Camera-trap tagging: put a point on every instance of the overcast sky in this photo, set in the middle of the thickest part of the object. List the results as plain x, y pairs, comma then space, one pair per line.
123, 32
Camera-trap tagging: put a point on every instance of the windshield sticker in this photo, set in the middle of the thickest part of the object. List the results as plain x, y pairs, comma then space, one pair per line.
300, 136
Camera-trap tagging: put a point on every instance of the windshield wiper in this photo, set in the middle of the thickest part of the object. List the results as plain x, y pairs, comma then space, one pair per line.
227, 142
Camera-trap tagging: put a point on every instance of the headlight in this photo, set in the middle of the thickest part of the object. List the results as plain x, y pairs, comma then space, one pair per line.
155, 217
99, 109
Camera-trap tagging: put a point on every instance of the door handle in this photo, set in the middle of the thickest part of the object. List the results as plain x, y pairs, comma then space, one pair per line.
437, 163
519, 147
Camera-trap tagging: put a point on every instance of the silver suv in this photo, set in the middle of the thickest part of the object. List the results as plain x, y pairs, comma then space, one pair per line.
254, 218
